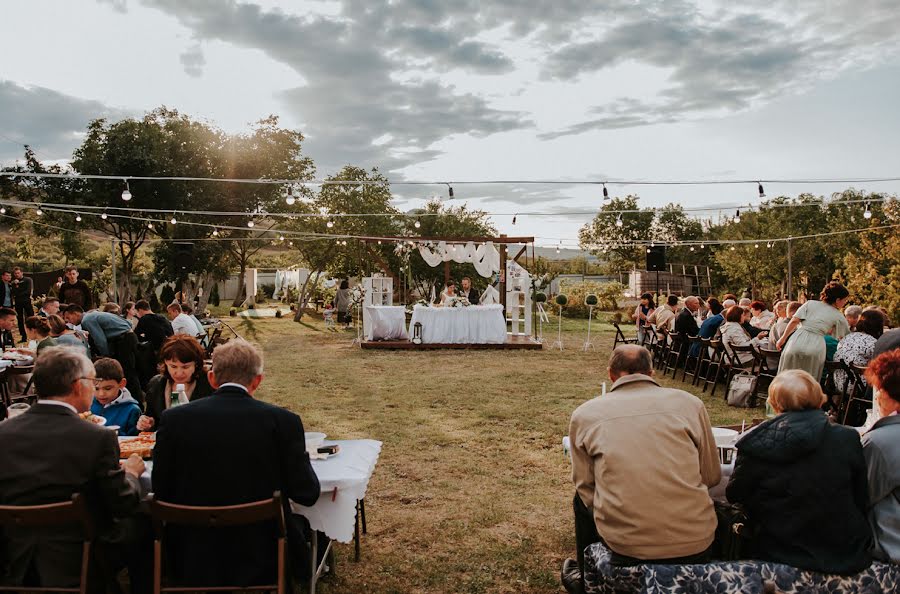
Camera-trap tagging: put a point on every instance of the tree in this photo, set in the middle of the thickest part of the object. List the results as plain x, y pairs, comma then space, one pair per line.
606, 239
671, 225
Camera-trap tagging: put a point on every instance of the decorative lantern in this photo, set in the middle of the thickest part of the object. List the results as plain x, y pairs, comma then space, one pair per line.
417, 333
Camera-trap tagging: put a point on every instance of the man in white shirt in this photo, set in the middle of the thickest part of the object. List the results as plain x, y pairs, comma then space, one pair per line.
181, 322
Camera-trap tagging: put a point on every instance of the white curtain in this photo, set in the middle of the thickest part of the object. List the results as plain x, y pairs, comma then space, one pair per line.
485, 258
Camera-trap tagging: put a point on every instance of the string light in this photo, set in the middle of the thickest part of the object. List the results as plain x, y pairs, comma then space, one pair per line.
417, 224
39, 212
768, 244
290, 197
215, 232
514, 218
77, 218
737, 216
732, 248
174, 221
702, 246
329, 224
619, 221
450, 190
3, 210
126, 193
149, 225
756, 245
762, 193
281, 238
867, 214
648, 250
104, 216
692, 248
250, 223
605, 192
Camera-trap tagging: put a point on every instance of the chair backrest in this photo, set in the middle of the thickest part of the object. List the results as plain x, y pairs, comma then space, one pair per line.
52, 514
827, 381
215, 517
619, 334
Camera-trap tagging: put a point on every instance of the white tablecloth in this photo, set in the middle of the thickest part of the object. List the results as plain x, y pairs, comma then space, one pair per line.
476, 324
343, 479
716, 493
385, 322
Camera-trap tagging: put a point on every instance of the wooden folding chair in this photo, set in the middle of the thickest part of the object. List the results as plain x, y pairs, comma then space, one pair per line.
713, 367
689, 358
620, 337
49, 515
11, 396
164, 514
674, 354
662, 347
857, 392
649, 337
835, 390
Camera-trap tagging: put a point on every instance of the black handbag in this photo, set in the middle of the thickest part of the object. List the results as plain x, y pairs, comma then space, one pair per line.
734, 532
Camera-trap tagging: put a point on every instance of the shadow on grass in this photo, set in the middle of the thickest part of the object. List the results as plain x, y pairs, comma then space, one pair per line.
308, 326
247, 329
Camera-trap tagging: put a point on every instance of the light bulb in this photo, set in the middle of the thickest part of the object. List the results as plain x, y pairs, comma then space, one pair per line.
417, 224
762, 193
737, 216
3, 210
756, 245
732, 248
215, 232
281, 238
77, 218
605, 193
702, 246
619, 221
692, 248
39, 212
103, 216
173, 221
126, 193
329, 224
149, 225
250, 224
290, 197
648, 250
868, 213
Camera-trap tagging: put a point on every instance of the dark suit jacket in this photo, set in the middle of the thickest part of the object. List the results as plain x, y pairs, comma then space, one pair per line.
3, 291
685, 324
473, 296
49, 454
22, 292
155, 396
7, 339
225, 450
155, 329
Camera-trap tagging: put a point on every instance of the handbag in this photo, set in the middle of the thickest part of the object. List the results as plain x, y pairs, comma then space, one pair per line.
734, 532
742, 391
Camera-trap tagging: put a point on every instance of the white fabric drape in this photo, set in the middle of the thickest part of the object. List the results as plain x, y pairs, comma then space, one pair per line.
485, 258
475, 324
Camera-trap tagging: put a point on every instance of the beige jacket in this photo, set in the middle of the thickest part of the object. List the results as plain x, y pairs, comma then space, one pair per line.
662, 317
643, 458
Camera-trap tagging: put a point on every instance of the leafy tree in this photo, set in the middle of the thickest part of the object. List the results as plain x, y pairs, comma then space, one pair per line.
609, 241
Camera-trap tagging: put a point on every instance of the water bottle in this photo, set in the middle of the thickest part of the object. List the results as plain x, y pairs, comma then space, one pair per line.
178, 397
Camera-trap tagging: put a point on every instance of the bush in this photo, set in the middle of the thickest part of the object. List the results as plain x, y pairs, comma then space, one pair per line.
562, 300
606, 294
266, 290
591, 300
540, 297
214, 295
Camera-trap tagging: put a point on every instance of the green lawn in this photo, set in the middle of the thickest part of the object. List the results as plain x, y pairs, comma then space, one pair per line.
472, 492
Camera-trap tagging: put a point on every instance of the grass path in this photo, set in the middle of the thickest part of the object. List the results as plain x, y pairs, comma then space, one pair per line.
472, 492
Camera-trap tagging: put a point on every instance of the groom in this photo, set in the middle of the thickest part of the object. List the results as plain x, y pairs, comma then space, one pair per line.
468, 292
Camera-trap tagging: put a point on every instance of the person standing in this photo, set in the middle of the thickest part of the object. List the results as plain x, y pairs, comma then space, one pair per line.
23, 290
342, 303
74, 291
811, 323
151, 327
641, 313
6, 290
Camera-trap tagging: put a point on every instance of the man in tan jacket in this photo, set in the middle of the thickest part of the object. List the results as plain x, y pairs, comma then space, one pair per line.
643, 458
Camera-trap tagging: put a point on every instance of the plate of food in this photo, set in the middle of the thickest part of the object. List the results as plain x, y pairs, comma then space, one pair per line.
141, 444
95, 419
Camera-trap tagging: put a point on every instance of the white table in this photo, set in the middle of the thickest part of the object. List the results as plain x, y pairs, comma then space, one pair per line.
716, 493
475, 324
384, 322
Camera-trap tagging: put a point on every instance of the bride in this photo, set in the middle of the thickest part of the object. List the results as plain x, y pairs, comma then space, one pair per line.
448, 295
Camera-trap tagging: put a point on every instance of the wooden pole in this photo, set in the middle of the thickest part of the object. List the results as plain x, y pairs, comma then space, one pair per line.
503, 275
790, 285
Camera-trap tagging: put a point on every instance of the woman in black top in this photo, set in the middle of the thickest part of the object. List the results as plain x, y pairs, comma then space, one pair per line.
182, 362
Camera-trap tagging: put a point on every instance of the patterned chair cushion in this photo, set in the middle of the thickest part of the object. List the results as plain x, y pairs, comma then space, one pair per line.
747, 577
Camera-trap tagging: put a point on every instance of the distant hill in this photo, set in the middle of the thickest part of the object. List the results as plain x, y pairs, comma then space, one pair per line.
549, 253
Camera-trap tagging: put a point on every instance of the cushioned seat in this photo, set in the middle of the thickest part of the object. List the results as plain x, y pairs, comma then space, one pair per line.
746, 577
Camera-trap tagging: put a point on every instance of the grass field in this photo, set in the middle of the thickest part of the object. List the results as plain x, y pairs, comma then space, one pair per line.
472, 492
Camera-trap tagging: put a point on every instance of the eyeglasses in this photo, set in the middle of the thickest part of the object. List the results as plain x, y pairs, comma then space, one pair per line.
93, 380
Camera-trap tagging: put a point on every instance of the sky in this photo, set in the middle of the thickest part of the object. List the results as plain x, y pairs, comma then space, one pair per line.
474, 90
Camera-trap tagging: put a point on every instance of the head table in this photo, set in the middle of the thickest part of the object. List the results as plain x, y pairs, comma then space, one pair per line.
474, 324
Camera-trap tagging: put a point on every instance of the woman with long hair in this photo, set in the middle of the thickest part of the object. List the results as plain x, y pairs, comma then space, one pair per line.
641, 313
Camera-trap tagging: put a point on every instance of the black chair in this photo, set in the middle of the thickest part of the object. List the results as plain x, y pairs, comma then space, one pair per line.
620, 337
649, 337
714, 365
676, 349
662, 347
765, 373
692, 361
859, 392
49, 515
164, 514
736, 365
836, 383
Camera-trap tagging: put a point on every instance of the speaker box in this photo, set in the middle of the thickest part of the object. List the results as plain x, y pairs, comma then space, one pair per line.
184, 256
656, 257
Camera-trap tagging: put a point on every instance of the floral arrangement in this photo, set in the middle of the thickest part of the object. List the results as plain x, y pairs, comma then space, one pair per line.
458, 302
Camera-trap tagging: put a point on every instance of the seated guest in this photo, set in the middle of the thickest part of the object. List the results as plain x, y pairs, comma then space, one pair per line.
230, 449
189, 312
792, 308
745, 302
889, 341
129, 312
734, 333
857, 347
181, 322
729, 297
65, 336
642, 312
685, 322
710, 326
49, 453
781, 321
468, 291
883, 312
663, 436
852, 313
151, 327
112, 400
881, 448
803, 481
753, 331
663, 318
726, 303
49, 307
7, 325
182, 360
38, 330
112, 308
762, 317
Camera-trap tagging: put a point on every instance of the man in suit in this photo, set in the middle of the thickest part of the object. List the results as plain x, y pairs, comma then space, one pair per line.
685, 322
6, 290
49, 453
666, 434
23, 288
469, 292
49, 307
240, 450
7, 324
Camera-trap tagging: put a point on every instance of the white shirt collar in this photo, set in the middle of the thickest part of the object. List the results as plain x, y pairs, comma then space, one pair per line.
58, 403
234, 384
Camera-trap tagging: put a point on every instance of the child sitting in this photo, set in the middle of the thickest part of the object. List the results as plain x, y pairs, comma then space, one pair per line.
328, 314
112, 399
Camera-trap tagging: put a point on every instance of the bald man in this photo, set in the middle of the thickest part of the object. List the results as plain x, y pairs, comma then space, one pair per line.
686, 321
661, 512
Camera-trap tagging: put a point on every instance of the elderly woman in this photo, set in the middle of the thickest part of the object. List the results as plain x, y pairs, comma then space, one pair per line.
881, 448
762, 317
733, 333
814, 319
857, 347
182, 360
803, 481
852, 313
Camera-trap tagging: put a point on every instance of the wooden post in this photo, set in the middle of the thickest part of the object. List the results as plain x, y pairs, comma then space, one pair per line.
503, 276
446, 273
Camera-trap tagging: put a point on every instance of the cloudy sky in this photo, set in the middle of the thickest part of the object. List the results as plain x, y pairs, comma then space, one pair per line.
487, 90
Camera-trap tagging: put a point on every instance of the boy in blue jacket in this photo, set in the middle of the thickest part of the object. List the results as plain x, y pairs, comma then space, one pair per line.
112, 399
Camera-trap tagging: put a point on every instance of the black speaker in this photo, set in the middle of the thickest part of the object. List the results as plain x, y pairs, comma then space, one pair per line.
184, 256
656, 257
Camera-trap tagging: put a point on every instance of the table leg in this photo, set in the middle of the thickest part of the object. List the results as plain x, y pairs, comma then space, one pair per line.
362, 511
356, 534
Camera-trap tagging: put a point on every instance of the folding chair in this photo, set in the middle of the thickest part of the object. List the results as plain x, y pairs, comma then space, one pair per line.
836, 382
674, 354
692, 341
620, 337
52, 515
164, 514
858, 391
714, 366
662, 347
735, 365
649, 337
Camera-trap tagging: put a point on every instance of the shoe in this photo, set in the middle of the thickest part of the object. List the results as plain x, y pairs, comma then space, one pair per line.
570, 576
